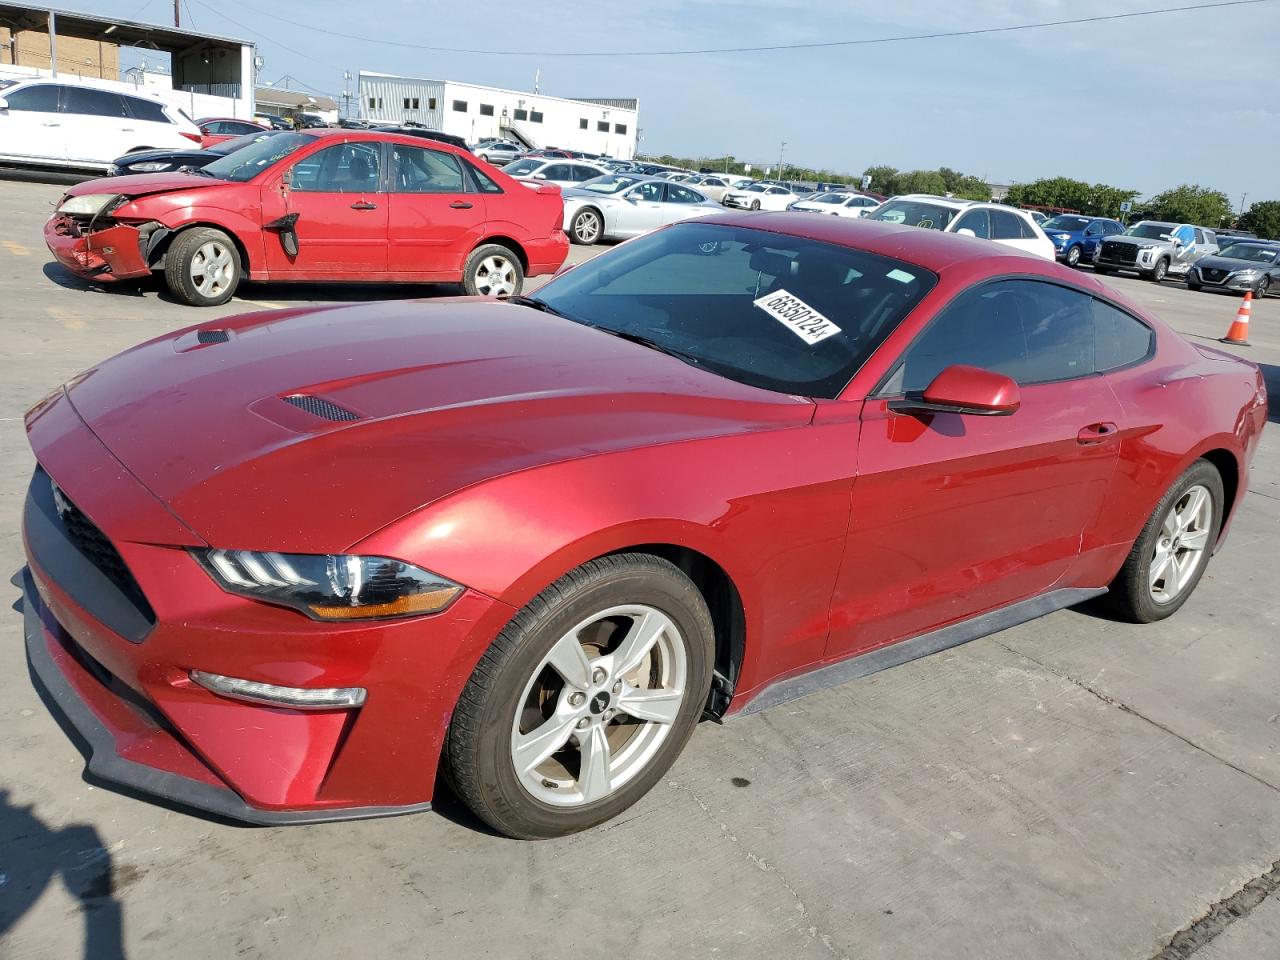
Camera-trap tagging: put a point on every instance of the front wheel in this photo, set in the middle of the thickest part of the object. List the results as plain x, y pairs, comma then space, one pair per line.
755, 204
1073, 257
492, 271
586, 228
1160, 272
202, 267
1261, 289
1170, 555
584, 699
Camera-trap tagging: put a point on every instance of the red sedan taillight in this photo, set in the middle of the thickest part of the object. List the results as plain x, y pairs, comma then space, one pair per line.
193, 137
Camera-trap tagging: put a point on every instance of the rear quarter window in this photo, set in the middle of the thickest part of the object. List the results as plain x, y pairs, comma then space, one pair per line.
1122, 339
147, 110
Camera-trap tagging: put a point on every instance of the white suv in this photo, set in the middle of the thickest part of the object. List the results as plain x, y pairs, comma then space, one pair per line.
50, 123
990, 221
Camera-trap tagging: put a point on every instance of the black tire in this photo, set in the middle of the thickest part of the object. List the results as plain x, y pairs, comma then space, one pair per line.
1160, 272
1260, 291
1098, 268
1130, 594
181, 258
1192, 285
478, 746
1073, 257
479, 280
755, 204
587, 227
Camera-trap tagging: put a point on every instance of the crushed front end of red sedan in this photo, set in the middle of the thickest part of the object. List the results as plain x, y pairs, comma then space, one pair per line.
318, 205
288, 567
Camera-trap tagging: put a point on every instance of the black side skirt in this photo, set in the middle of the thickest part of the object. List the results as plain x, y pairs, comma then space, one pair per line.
905, 651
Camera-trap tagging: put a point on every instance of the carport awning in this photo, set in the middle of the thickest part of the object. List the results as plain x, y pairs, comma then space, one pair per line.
126, 33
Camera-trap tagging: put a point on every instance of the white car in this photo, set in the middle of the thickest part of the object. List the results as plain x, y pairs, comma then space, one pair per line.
990, 221
618, 206
713, 186
760, 196
84, 124
532, 171
838, 203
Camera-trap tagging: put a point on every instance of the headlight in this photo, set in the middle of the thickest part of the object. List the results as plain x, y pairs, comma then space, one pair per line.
89, 204
1247, 274
1062, 236
1145, 253
151, 166
330, 587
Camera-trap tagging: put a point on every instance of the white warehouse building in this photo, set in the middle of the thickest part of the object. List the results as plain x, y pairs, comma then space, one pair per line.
601, 126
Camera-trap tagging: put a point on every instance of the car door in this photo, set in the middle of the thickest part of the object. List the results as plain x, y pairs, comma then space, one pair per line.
1184, 250
954, 515
1090, 239
641, 209
976, 221
436, 213
152, 126
98, 124
1015, 231
337, 195
682, 203
31, 125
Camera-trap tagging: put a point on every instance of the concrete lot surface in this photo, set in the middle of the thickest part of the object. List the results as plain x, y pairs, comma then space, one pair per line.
1073, 788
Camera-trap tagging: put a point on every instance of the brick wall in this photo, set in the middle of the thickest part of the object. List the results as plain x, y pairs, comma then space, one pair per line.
87, 58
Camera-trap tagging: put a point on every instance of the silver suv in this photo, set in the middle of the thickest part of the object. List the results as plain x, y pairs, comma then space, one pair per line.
1154, 249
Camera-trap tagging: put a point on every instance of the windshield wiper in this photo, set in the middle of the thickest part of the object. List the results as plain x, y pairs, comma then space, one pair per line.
537, 305
197, 171
652, 344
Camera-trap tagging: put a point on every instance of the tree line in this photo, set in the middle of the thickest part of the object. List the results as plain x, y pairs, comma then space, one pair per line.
1185, 203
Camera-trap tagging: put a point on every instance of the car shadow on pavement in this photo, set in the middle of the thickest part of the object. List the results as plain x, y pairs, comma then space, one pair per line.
33, 855
1271, 374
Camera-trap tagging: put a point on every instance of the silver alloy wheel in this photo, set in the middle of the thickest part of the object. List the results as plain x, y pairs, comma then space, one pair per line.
587, 227
599, 706
212, 268
1184, 537
1073, 257
495, 277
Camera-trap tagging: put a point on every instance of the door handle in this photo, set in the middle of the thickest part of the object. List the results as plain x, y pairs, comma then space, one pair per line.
1097, 433
460, 205
50, 123
364, 205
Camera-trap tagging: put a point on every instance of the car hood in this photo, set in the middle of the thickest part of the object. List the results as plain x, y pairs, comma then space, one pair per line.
181, 156
142, 184
1138, 241
1216, 262
396, 405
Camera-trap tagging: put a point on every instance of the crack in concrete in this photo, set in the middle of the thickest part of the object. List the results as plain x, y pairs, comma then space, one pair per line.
812, 932
1125, 708
1221, 915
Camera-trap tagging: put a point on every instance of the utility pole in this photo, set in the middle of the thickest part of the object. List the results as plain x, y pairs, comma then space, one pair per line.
1243, 196
781, 168
177, 13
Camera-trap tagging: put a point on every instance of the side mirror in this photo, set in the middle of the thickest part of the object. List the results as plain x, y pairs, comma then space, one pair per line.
965, 390
966, 232
539, 176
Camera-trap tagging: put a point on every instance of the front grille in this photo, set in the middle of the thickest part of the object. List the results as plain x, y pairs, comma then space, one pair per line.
1212, 275
98, 550
1119, 252
212, 336
319, 407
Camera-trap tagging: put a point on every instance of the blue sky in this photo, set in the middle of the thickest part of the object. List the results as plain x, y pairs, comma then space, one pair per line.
1134, 103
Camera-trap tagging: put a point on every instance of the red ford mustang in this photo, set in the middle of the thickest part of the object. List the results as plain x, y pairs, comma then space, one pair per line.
289, 566
315, 205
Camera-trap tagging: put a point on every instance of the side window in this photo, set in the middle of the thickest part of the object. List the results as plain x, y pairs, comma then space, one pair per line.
93, 103
1199, 237
977, 221
1005, 225
1211, 238
419, 170
42, 98
484, 182
581, 173
1031, 331
679, 194
557, 171
648, 192
344, 168
1093, 230
1122, 339
1185, 234
153, 112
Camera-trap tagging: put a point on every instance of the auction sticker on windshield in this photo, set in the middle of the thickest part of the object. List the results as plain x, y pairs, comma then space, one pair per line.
797, 316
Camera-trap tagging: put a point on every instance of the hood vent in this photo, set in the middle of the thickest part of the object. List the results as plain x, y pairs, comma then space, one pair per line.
319, 407
212, 336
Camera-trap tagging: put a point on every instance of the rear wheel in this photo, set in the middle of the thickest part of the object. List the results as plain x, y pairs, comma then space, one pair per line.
586, 227
1170, 555
492, 271
584, 700
202, 267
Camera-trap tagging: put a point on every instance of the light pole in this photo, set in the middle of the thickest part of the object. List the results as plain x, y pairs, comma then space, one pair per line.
781, 168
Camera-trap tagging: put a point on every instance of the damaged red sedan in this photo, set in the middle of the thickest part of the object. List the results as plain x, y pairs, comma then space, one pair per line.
294, 565
315, 205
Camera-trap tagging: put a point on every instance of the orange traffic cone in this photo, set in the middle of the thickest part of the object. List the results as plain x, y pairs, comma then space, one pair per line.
1239, 332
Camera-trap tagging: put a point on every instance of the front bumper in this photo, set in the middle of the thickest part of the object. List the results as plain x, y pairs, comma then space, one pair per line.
1225, 282
118, 667
113, 253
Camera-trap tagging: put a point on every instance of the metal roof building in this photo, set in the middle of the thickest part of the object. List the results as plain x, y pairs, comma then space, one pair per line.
602, 126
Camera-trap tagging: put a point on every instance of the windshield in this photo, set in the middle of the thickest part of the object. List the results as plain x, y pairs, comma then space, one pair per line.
239, 143
521, 168
1249, 251
913, 213
755, 188
1065, 222
829, 198
614, 183
1149, 231
247, 163
784, 313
